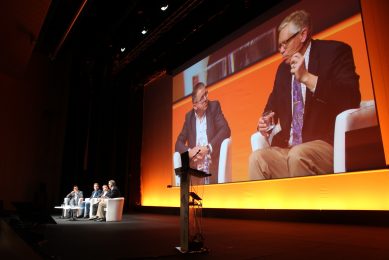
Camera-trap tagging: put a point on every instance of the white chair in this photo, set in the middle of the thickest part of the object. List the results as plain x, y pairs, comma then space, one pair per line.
65, 212
351, 119
66, 203
224, 167
348, 120
92, 202
258, 141
114, 209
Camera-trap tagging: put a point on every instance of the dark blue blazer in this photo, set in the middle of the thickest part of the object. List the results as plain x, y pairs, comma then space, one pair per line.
113, 193
96, 194
337, 90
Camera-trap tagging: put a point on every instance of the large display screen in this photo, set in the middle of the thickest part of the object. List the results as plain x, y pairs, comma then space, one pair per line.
339, 130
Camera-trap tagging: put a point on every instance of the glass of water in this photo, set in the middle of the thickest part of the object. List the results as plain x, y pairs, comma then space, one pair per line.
268, 119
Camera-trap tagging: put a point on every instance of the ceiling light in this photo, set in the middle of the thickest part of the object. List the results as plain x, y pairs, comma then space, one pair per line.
123, 49
163, 8
144, 31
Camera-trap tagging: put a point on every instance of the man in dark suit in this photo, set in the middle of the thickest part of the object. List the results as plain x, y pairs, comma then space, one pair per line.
112, 193
316, 81
96, 193
204, 130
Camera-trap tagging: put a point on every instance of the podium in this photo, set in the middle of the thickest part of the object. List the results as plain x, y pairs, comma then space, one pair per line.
188, 242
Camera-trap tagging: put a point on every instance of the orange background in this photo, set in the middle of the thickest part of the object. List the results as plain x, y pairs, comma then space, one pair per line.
349, 191
244, 95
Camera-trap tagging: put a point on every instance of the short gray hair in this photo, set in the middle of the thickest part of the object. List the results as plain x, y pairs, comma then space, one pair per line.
299, 19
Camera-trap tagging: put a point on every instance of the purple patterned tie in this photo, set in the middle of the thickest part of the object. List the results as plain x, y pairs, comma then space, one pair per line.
298, 113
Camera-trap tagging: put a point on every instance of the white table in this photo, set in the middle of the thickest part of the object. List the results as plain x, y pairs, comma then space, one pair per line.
72, 208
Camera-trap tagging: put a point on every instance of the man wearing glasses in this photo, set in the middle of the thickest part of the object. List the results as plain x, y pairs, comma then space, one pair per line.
204, 130
315, 82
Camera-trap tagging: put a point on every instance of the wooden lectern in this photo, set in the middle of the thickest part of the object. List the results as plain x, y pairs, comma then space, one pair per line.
185, 173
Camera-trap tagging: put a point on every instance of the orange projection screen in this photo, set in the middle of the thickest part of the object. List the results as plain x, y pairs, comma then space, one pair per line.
254, 83
244, 94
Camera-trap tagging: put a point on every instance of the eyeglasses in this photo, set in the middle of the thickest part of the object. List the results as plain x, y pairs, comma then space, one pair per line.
285, 43
203, 98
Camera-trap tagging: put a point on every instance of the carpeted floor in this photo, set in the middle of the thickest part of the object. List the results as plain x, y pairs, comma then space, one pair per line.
156, 236
153, 236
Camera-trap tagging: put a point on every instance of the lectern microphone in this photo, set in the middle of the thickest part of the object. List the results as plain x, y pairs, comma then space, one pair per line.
185, 168
196, 154
194, 195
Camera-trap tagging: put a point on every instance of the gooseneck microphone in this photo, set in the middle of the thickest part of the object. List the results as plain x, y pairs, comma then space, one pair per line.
196, 154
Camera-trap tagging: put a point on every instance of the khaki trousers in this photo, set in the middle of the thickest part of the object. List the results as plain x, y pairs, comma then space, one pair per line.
100, 209
306, 159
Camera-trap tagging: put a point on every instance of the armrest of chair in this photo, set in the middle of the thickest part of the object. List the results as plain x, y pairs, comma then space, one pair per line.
176, 164
93, 200
177, 160
224, 172
258, 141
348, 120
114, 209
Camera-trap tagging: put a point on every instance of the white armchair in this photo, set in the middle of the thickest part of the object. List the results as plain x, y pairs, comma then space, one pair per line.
114, 209
66, 202
258, 141
225, 172
348, 120
352, 119
92, 202
224, 167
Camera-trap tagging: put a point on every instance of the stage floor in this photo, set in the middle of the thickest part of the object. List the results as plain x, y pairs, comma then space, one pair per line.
150, 236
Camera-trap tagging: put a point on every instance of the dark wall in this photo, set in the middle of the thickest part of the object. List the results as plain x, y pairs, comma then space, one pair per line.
102, 139
33, 118
69, 121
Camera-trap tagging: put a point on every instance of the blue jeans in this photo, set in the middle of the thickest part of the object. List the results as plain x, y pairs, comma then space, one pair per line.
86, 208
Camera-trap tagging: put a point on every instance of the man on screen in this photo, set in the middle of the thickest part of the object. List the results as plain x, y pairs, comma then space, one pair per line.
204, 130
315, 82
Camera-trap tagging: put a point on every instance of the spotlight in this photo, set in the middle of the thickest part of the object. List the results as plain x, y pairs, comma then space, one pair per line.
164, 7
144, 31
123, 49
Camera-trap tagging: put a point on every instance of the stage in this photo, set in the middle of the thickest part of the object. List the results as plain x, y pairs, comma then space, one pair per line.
154, 236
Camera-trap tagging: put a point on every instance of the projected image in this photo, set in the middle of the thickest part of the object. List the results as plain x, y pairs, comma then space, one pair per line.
284, 100
203, 132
